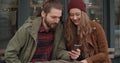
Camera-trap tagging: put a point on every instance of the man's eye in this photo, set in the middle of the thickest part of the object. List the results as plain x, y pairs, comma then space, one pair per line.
54, 17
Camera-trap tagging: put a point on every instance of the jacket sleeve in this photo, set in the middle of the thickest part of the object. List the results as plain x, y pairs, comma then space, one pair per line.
62, 52
14, 46
102, 45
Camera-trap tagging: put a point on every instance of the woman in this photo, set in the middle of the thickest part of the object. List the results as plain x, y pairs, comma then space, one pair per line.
87, 35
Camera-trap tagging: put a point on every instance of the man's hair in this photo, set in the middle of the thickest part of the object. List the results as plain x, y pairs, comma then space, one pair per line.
51, 4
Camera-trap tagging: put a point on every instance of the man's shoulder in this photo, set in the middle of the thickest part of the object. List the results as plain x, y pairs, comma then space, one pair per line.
32, 19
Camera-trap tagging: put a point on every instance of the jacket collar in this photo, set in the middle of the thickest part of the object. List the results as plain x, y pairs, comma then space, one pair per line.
35, 24
34, 28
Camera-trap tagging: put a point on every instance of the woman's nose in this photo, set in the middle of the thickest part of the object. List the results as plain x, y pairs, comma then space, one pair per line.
74, 17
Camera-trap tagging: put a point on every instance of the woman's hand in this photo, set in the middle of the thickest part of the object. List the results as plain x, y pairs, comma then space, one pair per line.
74, 54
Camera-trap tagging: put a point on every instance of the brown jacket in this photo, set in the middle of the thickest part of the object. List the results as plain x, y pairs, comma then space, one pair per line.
98, 45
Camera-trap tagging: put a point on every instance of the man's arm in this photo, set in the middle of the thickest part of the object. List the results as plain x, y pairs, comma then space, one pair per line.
62, 52
14, 46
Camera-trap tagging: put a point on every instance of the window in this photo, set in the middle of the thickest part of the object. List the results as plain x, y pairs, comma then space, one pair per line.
8, 11
117, 23
95, 10
36, 6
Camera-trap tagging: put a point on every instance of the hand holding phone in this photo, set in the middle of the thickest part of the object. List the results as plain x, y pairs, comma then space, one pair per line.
75, 53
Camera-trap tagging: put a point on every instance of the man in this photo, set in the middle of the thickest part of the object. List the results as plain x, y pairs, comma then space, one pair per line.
38, 38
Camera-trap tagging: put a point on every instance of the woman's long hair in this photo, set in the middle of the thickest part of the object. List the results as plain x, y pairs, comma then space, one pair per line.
77, 34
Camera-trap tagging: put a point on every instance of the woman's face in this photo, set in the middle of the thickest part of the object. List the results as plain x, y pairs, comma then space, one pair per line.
75, 15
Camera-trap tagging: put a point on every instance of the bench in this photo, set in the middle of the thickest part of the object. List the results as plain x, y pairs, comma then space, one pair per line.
2, 55
111, 52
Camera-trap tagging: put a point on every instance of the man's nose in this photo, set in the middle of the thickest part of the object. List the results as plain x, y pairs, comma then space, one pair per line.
57, 20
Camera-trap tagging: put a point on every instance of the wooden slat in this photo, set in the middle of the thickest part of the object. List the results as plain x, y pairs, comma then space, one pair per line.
111, 52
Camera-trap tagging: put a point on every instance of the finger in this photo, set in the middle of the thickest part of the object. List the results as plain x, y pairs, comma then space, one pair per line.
73, 55
76, 52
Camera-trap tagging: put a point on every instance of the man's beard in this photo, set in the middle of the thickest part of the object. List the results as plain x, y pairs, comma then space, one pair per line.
50, 26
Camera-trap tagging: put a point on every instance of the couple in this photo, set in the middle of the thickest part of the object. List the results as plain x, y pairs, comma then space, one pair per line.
43, 39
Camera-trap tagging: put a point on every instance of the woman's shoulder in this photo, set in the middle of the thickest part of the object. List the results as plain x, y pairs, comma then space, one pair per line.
95, 25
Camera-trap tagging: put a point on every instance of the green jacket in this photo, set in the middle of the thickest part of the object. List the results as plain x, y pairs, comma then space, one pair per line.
22, 46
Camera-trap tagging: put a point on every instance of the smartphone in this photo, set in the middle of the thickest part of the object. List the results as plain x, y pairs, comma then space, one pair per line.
77, 46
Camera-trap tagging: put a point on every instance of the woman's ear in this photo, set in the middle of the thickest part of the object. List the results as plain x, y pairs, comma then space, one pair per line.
43, 14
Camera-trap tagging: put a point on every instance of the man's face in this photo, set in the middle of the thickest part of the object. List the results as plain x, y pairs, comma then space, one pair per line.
52, 18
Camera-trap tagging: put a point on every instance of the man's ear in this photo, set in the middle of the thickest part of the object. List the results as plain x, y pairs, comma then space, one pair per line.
43, 14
